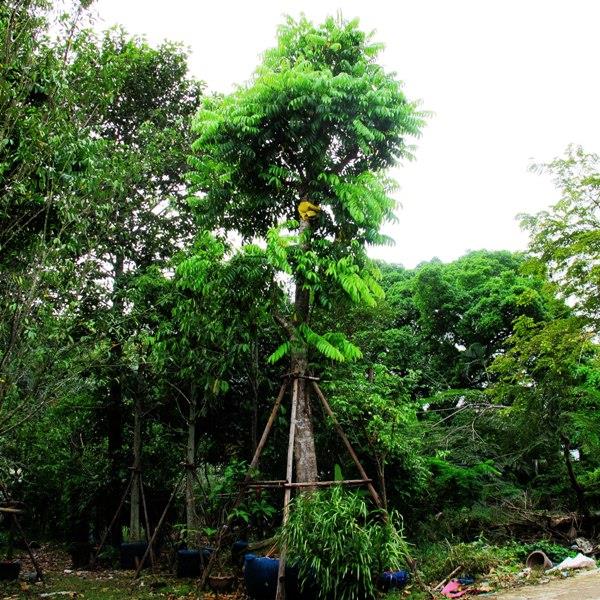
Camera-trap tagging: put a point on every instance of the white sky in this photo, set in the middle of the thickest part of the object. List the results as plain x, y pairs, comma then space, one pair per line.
509, 81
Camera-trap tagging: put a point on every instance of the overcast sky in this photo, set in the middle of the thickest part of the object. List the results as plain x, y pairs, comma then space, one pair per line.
509, 81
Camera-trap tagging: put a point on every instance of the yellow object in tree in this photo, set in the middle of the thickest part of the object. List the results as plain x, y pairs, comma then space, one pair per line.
308, 210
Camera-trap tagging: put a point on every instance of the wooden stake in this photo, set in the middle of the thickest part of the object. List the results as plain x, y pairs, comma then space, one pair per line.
348, 445
152, 558
280, 595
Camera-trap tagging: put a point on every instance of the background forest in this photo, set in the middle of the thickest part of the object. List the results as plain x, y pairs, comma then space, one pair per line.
153, 292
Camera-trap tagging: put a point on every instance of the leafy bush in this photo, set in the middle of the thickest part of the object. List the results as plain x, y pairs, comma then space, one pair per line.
333, 538
480, 557
554, 552
476, 558
219, 482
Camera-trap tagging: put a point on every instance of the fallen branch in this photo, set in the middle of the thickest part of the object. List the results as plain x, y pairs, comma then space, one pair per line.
441, 584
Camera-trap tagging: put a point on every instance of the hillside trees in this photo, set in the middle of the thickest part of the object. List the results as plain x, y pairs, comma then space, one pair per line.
48, 173
547, 379
297, 157
426, 373
94, 135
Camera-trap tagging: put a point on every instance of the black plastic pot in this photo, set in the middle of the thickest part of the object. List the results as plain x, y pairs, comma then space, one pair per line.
81, 554
190, 563
132, 553
9, 570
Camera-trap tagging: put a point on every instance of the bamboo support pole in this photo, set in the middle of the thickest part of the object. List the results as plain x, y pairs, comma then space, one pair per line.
280, 595
145, 506
348, 445
266, 431
158, 526
36, 566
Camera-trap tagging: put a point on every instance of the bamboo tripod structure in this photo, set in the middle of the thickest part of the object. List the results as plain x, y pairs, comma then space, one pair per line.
135, 479
288, 484
178, 484
13, 513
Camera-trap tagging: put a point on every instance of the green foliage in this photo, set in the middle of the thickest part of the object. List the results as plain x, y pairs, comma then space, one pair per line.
461, 483
380, 418
220, 484
333, 346
320, 120
476, 558
332, 537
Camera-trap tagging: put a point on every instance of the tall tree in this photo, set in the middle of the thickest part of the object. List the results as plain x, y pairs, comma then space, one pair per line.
298, 157
545, 378
142, 214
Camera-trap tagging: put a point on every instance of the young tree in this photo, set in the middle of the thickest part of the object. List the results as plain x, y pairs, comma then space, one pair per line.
298, 157
566, 238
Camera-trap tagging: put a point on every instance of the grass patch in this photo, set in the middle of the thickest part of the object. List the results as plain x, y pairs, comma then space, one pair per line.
98, 586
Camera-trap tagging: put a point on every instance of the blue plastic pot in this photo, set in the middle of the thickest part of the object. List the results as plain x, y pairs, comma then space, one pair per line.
393, 580
260, 576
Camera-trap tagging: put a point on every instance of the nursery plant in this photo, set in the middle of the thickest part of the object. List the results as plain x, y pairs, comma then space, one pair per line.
337, 542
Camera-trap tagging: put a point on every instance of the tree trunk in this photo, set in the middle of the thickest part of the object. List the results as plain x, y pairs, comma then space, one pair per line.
380, 463
577, 488
114, 410
254, 385
135, 530
190, 499
304, 446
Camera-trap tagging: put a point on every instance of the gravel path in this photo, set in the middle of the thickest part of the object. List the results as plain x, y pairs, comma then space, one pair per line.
583, 586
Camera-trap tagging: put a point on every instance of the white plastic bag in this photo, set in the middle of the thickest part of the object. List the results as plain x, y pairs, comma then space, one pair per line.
578, 562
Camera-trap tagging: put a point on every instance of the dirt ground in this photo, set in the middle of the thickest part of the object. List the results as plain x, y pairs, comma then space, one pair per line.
62, 582
583, 586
